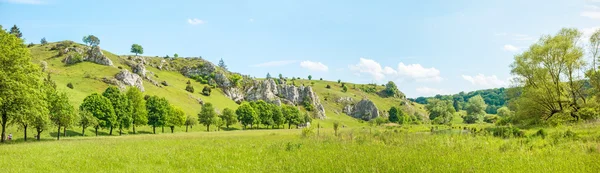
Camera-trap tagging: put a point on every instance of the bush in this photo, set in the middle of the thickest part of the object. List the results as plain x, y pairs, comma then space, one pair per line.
541, 133
588, 113
472, 118
189, 88
206, 91
490, 118
306, 132
30, 45
328, 86
506, 131
345, 88
188, 82
70, 85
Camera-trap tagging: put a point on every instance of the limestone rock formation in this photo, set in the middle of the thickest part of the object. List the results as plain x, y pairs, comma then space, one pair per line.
163, 65
139, 69
204, 69
95, 55
222, 80
130, 79
365, 110
234, 94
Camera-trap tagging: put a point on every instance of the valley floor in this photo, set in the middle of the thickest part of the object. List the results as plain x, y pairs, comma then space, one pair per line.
377, 149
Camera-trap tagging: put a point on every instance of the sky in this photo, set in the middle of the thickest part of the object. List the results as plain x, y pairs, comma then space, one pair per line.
426, 47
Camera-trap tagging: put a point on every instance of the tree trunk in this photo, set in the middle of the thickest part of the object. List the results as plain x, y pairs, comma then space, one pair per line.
25, 133
172, 129
154, 129
39, 133
208, 128
120, 131
4, 120
186, 128
64, 131
289, 125
163, 129
58, 133
82, 131
227, 126
133, 128
96, 130
110, 133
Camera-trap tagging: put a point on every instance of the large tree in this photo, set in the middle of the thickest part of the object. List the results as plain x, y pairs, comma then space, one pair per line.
139, 114
207, 115
137, 49
440, 111
61, 111
122, 107
86, 119
292, 115
158, 110
549, 74
190, 121
228, 116
391, 90
101, 108
176, 118
475, 109
91, 40
264, 113
20, 79
594, 72
278, 118
246, 114
16, 31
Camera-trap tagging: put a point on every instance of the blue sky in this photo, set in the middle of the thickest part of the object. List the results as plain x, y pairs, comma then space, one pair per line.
426, 47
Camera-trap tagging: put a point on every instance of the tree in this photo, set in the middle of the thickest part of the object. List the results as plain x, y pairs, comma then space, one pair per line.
236, 79
440, 111
62, 113
91, 40
206, 91
594, 74
218, 122
176, 118
504, 112
268, 75
16, 31
278, 118
309, 77
475, 109
206, 115
393, 114
158, 110
40, 123
264, 113
190, 88
139, 113
190, 121
228, 117
549, 78
291, 114
43, 41
280, 76
246, 114
122, 107
101, 108
336, 126
20, 80
344, 88
176, 56
137, 49
339, 81
222, 64
86, 119
391, 90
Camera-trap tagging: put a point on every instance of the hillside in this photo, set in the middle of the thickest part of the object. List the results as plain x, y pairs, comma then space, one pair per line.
87, 78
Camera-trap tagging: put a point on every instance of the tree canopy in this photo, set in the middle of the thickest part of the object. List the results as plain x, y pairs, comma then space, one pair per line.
101, 108
137, 49
207, 115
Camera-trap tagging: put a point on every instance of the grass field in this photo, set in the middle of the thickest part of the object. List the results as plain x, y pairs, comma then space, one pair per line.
379, 149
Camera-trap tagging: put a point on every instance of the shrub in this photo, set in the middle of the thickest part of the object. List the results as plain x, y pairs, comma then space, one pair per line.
30, 45
70, 85
189, 88
206, 91
328, 86
306, 132
541, 133
188, 82
506, 131
345, 88
490, 118
588, 113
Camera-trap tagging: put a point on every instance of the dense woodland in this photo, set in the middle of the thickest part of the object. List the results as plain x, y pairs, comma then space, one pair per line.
494, 98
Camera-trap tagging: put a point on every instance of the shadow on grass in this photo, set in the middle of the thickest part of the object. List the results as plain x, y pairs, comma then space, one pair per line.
139, 132
70, 133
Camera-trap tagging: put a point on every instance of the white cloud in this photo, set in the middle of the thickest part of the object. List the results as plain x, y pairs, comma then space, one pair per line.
587, 32
314, 66
591, 14
426, 91
275, 63
30, 2
411, 71
485, 81
195, 21
510, 48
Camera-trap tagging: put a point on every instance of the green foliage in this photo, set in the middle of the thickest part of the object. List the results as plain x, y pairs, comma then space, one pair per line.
292, 115
393, 115
494, 98
506, 131
391, 90
589, 113
490, 118
206, 91
43, 41
122, 107
101, 108
137, 49
328, 86
190, 88
70, 85
246, 114
91, 40
278, 118
207, 115
344, 88
268, 75
309, 77
504, 112
336, 127
339, 81
307, 103
158, 109
265, 115
174, 56
176, 118
475, 110
62, 113
222, 64
190, 121
228, 117
541, 133
235, 79
139, 113
19, 79
16, 31
86, 119
440, 111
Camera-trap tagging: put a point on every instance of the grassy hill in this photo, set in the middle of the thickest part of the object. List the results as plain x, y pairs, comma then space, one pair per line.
86, 79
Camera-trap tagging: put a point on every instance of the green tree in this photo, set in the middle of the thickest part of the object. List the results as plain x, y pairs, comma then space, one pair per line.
43, 41
246, 114
206, 115
309, 77
548, 73
101, 108
139, 113
137, 49
235, 79
176, 56
336, 127
268, 75
16, 31
122, 107
339, 81
344, 88
189, 88
222, 64
158, 110
86, 119
393, 114
218, 122
504, 112
91, 40
206, 91
278, 118
264, 113
40, 123
440, 111
228, 117
190, 121
475, 109
20, 79
62, 113
176, 118
291, 115
391, 90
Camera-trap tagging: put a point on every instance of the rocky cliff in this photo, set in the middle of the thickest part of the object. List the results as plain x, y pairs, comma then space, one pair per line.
365, 110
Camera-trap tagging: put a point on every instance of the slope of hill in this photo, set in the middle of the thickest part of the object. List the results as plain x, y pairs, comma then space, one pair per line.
86, 78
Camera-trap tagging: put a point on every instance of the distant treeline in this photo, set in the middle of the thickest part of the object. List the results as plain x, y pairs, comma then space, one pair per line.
494, 98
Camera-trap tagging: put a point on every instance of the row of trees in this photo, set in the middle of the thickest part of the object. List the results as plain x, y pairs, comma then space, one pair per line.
260, 112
